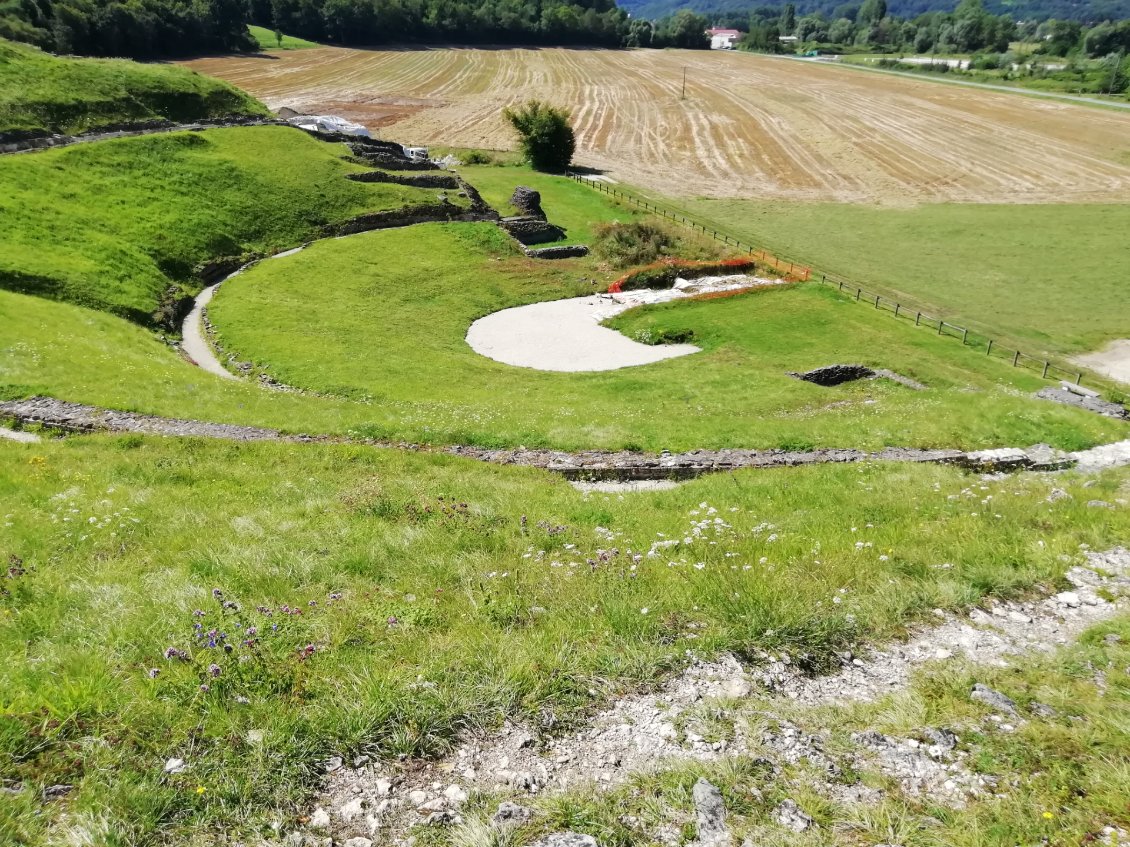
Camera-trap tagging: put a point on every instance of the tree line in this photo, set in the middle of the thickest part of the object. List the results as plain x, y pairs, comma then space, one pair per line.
148, 29
969, 28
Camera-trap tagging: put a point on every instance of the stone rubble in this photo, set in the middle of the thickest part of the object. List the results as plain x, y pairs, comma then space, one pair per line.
642, 732
590, 465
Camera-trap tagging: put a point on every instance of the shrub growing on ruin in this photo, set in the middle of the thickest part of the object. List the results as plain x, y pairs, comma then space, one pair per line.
636, 243
545, 135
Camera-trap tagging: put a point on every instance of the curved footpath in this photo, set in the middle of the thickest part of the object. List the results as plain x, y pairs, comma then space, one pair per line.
585, 465
194, 340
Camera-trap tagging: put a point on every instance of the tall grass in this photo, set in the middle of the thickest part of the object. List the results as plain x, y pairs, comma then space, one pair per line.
377, 602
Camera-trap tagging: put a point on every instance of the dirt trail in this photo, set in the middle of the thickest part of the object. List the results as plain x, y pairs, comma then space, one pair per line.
1113, 360
750, 126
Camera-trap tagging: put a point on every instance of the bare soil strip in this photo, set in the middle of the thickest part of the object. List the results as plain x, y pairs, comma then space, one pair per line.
750, 126
642, 733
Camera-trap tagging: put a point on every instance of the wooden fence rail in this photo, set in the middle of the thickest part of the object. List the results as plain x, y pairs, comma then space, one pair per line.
1047, 368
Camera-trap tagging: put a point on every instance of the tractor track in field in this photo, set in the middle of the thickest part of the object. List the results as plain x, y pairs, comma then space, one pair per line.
748, 125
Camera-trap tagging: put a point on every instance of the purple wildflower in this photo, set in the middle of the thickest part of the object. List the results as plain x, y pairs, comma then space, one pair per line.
204, 688
217, 593
392, 621
214, 670
153, 673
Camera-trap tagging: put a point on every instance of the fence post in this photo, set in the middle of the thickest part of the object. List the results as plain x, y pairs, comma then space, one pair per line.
1016, 358
1079, 378
989, 347
918, 319
896, 310
964, 335
1044, 375
858, 291
841, 285
941, 323
876, 301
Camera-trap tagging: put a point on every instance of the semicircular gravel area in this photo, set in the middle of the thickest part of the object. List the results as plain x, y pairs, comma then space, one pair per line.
565, 335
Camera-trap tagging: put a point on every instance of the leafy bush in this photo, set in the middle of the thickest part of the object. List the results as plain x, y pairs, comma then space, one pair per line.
477, 157
635, 243
544, 134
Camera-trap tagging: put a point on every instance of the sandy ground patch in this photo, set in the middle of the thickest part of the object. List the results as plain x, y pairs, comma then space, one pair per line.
749, 126
629, 486
1113, 360
16, 435
566, 335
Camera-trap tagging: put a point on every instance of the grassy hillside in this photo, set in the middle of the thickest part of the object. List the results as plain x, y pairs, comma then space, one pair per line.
43, 93
267, 40
391, 332
114, 542
1046, 275
111, 225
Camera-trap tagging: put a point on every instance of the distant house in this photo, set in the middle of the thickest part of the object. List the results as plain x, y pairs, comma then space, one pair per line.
788, 39
723, 39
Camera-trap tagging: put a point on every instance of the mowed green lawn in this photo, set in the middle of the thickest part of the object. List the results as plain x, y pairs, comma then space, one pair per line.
381, 318
269, 41
112, 225
1050, 277
355, 574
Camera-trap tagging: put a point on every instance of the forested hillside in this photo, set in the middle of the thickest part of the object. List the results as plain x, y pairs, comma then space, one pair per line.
146, 29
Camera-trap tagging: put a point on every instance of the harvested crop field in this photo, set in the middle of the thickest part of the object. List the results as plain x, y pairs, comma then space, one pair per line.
750, 125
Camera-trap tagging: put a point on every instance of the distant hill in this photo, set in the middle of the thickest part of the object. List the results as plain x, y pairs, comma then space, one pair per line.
43, 93
1087, 10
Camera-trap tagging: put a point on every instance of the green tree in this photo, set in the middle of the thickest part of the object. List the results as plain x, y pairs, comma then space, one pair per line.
842, 31
545, 135
872, 11
788, 19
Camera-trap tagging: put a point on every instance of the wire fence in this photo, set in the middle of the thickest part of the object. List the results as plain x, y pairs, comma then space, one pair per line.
1019, 359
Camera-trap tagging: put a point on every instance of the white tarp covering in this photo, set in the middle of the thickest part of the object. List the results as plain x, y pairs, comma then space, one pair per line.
330, 123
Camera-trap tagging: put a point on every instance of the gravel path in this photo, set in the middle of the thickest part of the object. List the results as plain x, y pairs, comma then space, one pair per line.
194, 340
641, 733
